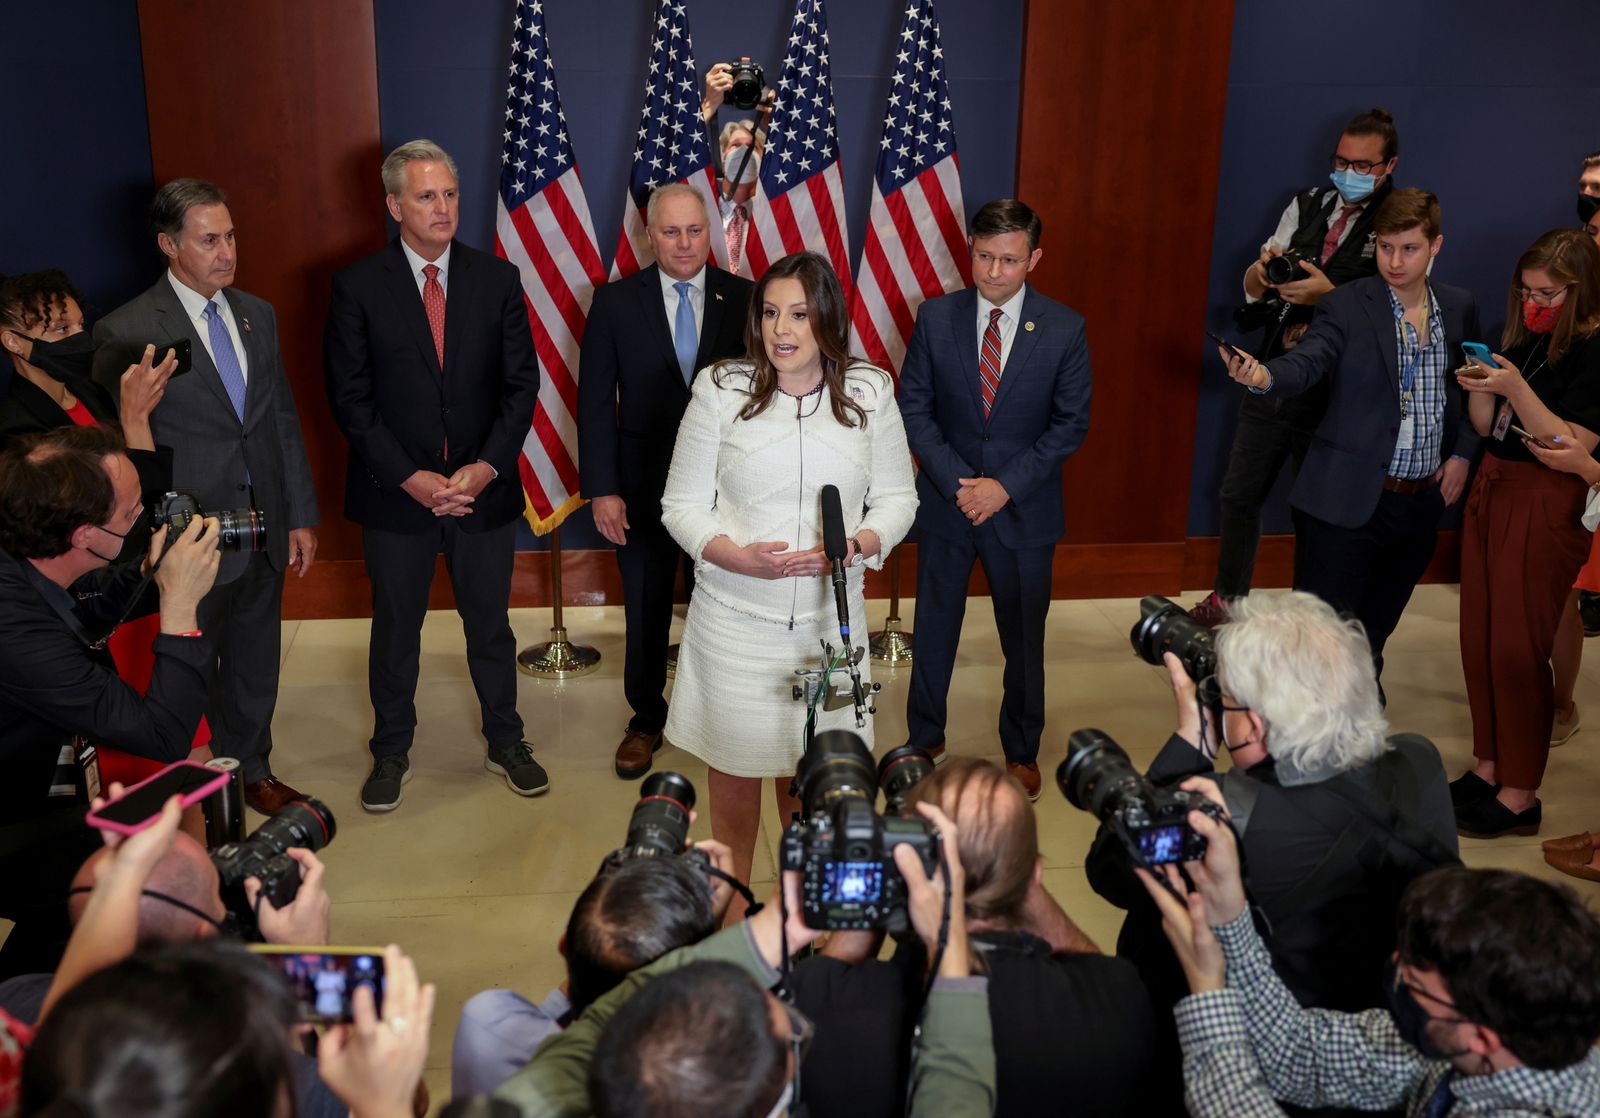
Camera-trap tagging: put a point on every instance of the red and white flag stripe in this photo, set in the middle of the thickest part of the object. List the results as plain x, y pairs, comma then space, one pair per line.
806, 218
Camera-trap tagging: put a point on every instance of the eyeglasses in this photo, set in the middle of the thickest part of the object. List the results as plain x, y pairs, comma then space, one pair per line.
1359, 166
1542, 298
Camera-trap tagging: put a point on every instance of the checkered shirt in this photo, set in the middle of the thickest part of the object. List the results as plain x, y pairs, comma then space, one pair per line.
1432, 359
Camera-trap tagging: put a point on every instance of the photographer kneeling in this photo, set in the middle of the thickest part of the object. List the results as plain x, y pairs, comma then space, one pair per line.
69, 504
1335, 817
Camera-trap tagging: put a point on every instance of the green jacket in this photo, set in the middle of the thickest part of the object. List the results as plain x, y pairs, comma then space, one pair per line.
954, 1076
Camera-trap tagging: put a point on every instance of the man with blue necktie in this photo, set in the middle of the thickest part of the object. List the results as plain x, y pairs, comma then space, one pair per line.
995, 395
236, 444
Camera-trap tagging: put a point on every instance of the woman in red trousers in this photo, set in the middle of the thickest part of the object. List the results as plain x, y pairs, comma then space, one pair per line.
1523, 541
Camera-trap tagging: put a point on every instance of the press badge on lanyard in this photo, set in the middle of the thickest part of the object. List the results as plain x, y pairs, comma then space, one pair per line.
89, 766
1502, 421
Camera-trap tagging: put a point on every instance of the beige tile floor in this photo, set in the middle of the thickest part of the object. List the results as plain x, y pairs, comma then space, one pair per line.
476, 883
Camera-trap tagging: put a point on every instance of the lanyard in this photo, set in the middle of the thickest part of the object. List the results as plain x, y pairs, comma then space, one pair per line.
1409, 373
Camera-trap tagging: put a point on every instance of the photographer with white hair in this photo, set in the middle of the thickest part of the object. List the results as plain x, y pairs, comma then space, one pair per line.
1335, 816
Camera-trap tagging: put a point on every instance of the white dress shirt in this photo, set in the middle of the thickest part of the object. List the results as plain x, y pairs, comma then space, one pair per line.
697, 300
194, 305
417, 264
1008, 323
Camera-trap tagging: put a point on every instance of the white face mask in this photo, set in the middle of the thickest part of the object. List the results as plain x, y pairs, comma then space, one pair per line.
736, 156
781, 1108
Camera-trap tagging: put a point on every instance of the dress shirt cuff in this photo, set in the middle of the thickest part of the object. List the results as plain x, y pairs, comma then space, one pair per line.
1271, 380
1461, 458
972, 984
1242, 946
494, 473
1215, 1017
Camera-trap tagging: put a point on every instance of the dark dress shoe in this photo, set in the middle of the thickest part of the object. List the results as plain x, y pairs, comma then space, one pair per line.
270, 796
636, 754
1490, 819
1210, 611
1027, 775
1470, 788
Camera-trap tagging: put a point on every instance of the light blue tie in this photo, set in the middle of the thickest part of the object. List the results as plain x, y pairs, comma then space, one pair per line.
684, 339
226, 359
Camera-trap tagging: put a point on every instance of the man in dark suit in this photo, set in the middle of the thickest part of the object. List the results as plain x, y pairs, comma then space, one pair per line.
431, 373
646, 337
235, 439
995, 395
1394, 449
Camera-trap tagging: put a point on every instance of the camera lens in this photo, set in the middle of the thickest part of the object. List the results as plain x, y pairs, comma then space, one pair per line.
1164, 627
305, 823
241, 530
659, 825
836, 765
901, 770
1096, 775
748, 84
1284, 269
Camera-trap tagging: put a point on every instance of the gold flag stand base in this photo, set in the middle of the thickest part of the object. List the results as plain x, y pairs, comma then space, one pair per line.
672, 661
557, 658
892, 645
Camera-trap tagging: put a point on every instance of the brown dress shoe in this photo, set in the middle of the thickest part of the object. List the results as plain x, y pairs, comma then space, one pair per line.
1580, 868
1583, 842
270, 796
1027, 775
1210, 611
636, 754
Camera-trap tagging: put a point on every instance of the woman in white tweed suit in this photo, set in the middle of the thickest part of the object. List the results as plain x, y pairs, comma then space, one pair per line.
762, 436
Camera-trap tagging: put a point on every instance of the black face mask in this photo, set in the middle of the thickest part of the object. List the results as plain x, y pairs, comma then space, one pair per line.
71, 359
1588, 206
1411, 1020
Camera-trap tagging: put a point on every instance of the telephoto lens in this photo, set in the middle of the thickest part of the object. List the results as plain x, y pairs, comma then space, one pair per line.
305, 823
1096, 775
659, 826
837, 765
1163, 627
901, 770
237, 529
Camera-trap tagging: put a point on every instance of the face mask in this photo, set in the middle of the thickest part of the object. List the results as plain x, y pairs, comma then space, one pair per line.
736, 156
1411, 1019
70, 359
1353, 187
1588, 206
1541, 320
135, 541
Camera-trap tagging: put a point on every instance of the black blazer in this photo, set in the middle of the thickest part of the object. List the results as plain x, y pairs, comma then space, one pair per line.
399, 409
1039, 418
1351, 342
632, 395
27, 409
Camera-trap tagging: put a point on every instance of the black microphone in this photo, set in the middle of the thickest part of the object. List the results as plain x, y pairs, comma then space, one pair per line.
834, 546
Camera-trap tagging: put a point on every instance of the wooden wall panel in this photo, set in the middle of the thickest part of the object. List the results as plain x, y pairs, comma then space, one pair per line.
1121, 137
277, 102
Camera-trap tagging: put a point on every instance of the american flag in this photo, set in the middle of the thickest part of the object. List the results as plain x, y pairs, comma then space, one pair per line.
916, 243
670, 145
542, 226
799, 203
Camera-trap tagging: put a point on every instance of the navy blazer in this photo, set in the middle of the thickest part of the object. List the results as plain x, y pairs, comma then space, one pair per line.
1351, 341
399, 409
632, 395
1040, 414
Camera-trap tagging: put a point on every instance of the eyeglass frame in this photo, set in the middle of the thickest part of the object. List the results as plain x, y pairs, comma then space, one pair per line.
1359, 166
1539, 298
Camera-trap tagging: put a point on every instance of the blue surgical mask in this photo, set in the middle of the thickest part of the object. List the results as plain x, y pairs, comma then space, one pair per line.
1353, 187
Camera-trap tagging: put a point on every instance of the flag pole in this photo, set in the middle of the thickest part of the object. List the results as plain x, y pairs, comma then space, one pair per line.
892, 645
557, 658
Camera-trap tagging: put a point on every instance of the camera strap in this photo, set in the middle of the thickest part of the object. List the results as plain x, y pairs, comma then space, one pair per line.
753, 906
933, 974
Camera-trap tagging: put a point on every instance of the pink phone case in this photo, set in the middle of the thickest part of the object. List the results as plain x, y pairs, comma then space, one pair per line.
93, 819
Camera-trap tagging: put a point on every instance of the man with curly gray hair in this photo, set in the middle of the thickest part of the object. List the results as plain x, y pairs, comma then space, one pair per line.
1335, 815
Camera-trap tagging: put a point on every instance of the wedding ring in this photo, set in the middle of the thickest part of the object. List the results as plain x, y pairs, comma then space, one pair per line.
398, 1025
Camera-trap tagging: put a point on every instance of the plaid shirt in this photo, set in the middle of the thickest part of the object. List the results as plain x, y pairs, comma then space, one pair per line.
1252, 1043
1428, 364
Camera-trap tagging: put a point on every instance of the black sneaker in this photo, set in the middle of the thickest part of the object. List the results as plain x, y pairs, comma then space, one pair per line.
1589, 610
524, 775
381, 792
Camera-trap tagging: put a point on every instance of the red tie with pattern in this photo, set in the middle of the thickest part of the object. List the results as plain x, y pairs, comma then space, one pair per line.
433, 303
736, 237
1335, 231
989, 361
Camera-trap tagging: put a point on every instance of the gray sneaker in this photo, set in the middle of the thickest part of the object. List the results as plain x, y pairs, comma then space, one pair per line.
524, 775
381, 792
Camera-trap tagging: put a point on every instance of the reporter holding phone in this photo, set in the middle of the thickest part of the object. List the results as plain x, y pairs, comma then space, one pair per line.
1522, 540
69, 499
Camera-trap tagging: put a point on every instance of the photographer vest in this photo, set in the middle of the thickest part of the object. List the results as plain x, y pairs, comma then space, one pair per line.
1354, 258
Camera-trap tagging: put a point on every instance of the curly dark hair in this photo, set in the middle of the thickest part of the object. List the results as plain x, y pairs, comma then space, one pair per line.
52, 483
32, 298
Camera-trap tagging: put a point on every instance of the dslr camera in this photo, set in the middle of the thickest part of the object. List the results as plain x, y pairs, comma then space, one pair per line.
1286, 268
1151, 822
238, 529
659, 826
1164, 626
305, 823
843, 849
749, 83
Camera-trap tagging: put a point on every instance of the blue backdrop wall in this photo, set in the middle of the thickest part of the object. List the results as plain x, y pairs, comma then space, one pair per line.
1495, 104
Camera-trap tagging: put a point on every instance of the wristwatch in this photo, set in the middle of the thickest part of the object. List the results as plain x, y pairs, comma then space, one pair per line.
858, 558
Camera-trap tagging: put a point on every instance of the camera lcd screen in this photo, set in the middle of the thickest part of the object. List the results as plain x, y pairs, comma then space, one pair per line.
852, 882
324, 982
1161, 845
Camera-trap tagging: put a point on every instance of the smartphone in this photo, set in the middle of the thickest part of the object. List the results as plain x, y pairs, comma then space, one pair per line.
1534, 439
182, 347
324, 980
1225, 344
139, 806
1477, 351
